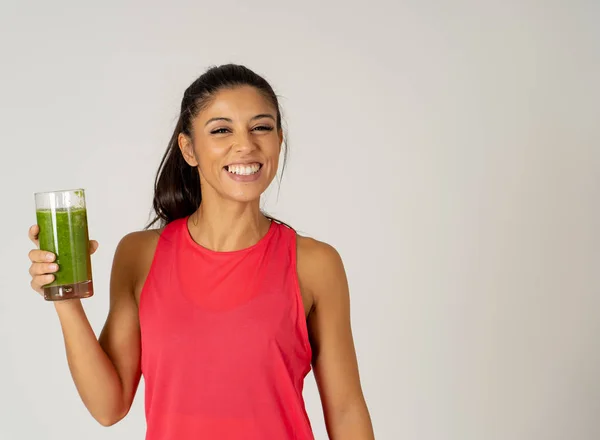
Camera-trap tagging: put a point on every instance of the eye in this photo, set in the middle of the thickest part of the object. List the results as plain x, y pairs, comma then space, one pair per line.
264, 128
218, 131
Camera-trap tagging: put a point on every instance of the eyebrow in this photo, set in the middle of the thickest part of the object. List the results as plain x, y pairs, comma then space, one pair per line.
262, 115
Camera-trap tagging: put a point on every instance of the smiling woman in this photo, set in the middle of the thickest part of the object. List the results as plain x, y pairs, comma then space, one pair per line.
234, 145
222, 309
229, 117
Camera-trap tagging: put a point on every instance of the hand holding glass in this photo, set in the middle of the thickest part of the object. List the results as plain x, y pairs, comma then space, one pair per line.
63, 230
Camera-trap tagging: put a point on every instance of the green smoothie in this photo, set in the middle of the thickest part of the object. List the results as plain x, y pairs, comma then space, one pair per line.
65, 233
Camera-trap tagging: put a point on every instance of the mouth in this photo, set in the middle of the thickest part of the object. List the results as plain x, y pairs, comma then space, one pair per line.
247, 169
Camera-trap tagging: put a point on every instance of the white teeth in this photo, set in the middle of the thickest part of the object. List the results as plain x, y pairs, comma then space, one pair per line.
244, 170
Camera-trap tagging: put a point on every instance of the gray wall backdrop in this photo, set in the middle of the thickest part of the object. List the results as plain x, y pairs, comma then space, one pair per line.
449, 150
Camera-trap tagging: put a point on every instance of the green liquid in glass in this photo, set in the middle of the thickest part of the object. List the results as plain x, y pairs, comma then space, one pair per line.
65, 233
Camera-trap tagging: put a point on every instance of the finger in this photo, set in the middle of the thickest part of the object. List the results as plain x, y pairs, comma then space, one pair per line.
42, 268
37, 288
34, 232
93, 246
38, 256
38, 282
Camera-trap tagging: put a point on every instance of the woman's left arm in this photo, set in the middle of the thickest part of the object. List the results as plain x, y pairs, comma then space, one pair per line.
323, 278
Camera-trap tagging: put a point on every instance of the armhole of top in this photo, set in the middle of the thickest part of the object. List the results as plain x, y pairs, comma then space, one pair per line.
298, 293
151, 269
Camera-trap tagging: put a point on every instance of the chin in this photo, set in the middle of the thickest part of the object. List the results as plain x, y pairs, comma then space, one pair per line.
245, 191
248, 197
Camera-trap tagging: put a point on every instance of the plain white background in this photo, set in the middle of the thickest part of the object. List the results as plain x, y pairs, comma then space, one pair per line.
449, 150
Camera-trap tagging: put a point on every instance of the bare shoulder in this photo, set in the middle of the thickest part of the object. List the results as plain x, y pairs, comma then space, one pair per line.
139, 241
134, 255
316, 253
319, 266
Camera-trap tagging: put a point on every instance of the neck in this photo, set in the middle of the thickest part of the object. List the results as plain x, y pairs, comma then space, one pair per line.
227, 225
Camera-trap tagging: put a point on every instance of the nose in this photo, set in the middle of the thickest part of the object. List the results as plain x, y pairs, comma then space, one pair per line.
243, 142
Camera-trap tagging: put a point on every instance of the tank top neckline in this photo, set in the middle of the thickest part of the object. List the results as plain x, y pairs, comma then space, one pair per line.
201, 248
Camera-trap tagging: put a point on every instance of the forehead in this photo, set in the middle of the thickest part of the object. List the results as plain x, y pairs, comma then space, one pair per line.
239, 102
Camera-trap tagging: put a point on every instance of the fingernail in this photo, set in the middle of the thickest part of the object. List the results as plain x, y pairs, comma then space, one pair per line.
53, 267
49, 257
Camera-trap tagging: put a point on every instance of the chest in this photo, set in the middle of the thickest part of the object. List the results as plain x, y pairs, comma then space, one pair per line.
231, 314
275, 282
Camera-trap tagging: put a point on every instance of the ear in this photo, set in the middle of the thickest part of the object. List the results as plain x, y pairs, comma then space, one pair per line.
187, 149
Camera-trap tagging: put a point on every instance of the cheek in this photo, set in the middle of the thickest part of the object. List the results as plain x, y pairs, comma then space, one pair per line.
273, 165
210, 158
274, 161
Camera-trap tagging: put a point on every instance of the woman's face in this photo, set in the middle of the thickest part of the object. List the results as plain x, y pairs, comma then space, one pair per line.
235, 144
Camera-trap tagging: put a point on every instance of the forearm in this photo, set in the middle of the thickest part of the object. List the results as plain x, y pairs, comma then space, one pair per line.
95, 376
352, 422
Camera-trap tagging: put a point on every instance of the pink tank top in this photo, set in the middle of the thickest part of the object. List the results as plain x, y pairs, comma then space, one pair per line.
225, 346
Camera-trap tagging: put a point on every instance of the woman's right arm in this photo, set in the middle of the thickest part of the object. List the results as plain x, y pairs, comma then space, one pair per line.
106, 371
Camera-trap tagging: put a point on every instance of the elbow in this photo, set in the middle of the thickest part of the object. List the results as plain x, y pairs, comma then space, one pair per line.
108, 420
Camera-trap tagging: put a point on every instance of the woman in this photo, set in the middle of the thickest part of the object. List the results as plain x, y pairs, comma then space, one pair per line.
222, 309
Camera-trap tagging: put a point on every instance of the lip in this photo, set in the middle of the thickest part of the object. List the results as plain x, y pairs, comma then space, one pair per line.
245, 162
240, 178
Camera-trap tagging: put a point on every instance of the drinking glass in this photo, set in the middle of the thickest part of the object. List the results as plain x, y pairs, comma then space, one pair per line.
62, 219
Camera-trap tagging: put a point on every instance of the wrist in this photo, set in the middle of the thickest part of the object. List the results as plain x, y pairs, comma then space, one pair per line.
67, 304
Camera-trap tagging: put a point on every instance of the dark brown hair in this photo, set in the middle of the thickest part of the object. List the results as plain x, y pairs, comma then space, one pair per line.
177, 185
